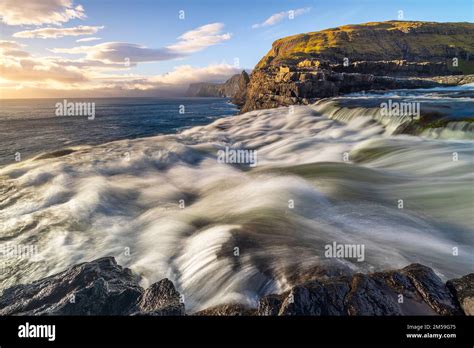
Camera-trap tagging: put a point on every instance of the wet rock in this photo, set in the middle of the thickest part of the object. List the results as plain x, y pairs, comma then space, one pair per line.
370, 296
100, 287
160, 299
413, 290
432, 289
463, 290
227, 310
317, 298
270, 304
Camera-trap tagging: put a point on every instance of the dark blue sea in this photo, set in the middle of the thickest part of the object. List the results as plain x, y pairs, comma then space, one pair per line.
31, 126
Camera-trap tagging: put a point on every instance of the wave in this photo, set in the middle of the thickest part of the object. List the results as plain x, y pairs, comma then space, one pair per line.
166, 207
441, 113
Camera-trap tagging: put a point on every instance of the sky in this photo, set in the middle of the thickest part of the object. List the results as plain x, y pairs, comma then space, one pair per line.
104, 48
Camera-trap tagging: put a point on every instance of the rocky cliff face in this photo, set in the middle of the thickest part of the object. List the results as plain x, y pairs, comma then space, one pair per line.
384, 55
102, 287
234, 88
204, 89
376, 41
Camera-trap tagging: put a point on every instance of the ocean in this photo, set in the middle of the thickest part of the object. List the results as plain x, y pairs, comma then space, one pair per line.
29, 127
334, 173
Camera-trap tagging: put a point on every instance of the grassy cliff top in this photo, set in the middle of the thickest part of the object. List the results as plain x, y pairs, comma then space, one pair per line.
414, 41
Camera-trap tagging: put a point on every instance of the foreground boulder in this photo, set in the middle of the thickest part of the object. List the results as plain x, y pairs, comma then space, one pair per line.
102, 287
413, 290
161, 299
463, 289
231, 310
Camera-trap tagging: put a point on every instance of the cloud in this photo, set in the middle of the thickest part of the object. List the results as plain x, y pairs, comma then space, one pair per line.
88, 39
174, 82
12, 49
4, 44
89, 64
38, 77
186, 74
37, 12
200, 38
120, 52
280, 16
54, 33
19, 65
32, 69
105, 69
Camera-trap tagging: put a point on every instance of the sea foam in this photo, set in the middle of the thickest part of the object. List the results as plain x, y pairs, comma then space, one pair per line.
170, 209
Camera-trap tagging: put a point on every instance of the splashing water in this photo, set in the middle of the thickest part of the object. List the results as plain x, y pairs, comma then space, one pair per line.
226, 233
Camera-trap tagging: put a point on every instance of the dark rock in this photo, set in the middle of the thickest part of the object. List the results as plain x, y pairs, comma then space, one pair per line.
370, 296
432, 289
238, 91
414, 290
270, 304
463, 290
379, 293
227, 310
100, 287
268, 89
317, 298
161, 298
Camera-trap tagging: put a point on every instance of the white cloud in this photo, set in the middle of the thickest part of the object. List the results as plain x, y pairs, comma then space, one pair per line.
102, 69
54, 33
10, 44
37, 12
32, 69
186, 74
280, 16
120, 52
88, 39
200, 38
12, 49
89, 64
19, 65
48, 77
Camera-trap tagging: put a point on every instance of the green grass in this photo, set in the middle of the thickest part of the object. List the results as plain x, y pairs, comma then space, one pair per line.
377, 41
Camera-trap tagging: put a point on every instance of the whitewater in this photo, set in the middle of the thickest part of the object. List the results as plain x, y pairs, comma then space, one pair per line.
331, 172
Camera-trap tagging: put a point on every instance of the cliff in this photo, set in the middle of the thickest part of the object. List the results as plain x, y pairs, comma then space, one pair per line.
392, 40
234, 88
204, 89
379, 55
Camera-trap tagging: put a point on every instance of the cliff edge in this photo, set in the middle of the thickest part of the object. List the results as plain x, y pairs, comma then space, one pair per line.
372, 56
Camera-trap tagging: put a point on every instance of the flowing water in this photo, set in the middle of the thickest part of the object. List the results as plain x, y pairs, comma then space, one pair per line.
30, 126
335, 171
